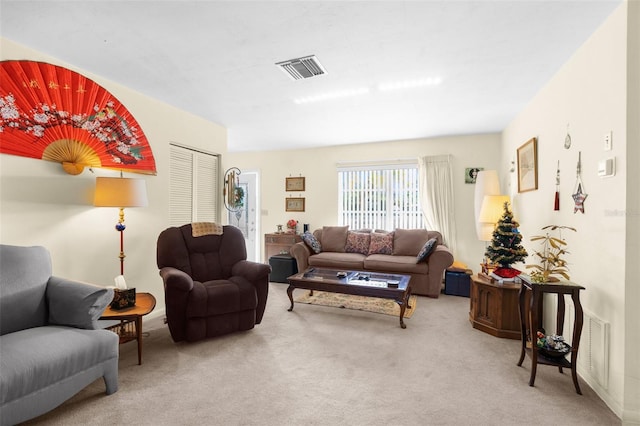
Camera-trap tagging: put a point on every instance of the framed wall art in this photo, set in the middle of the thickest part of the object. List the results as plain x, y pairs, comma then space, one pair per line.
528, 166
294, 184
471, 173
294, 204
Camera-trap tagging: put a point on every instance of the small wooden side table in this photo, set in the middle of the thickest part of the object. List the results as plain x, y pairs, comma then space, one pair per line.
130, 327
493, 307
531, 322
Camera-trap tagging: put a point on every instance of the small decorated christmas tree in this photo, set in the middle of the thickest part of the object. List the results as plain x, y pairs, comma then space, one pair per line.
505, 248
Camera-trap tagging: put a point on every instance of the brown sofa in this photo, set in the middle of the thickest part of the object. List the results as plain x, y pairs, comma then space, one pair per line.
378, 251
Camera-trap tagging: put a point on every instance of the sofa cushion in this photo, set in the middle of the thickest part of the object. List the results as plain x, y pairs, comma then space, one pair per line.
311, 241
358, 242
342, 261
381, 243
23, 282
334, 238
397, 264
34, 359
427, 249
76, 304
409, 242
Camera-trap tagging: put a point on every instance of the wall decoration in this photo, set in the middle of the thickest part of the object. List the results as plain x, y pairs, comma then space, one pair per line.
579, 196
556, 201
528, 166
471, 173
294, 184
294, 204
55, 114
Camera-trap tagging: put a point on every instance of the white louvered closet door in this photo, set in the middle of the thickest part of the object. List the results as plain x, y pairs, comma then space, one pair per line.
194, 186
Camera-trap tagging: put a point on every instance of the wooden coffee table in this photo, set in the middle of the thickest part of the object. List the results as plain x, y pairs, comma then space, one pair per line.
130, 327
371, 284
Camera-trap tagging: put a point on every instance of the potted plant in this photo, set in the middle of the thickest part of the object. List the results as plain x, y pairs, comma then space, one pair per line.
551, 256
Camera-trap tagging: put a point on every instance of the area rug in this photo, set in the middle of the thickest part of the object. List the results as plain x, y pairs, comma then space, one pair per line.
361, 303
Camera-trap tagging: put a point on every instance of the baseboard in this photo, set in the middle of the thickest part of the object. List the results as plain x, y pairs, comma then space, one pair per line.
615, 406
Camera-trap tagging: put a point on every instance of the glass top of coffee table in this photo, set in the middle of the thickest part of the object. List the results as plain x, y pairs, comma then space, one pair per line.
360, 278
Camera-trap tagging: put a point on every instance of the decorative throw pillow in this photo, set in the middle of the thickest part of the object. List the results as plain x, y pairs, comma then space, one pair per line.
426, 250
409, 242
358, 242
312, 242
334, 238
381, 243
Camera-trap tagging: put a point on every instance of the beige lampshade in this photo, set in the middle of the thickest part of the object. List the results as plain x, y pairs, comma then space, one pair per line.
487, 183
120, 192
490, 213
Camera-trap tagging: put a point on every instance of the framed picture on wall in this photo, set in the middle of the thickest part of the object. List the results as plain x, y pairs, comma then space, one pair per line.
471, 173
294, 204
528, 166
294, 184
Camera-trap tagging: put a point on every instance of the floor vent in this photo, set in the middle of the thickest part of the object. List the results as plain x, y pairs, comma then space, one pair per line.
301, 68
593, 354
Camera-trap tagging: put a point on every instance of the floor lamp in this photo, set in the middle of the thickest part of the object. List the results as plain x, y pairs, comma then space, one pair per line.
120, 192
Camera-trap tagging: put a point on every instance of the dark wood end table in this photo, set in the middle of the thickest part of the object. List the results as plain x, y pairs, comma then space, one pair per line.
531, 322
130, 327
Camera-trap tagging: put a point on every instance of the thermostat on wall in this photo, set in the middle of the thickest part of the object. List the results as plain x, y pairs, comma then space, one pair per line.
607, 167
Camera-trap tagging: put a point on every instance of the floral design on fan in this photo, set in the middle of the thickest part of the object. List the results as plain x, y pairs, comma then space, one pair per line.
106, 125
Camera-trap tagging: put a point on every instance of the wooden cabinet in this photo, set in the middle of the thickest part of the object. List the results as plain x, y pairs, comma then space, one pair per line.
494, 308
279, 244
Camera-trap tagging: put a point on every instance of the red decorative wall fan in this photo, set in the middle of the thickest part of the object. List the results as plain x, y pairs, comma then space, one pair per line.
56, 114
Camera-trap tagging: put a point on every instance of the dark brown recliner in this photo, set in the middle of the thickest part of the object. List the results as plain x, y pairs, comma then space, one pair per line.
209, 287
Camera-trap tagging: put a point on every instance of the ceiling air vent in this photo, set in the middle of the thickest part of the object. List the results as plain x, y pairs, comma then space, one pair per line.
300, 68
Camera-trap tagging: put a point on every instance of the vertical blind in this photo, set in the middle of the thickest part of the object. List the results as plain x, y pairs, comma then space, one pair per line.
194, 186
379, 197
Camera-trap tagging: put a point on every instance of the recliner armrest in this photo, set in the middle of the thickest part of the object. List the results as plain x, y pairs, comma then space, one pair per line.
176, 279
252, 271
76, 304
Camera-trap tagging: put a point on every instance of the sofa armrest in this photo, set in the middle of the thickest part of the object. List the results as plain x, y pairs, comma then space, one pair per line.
76, 304
301, 252
439, 260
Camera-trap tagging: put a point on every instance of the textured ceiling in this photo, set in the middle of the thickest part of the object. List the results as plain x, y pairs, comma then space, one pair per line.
216, 59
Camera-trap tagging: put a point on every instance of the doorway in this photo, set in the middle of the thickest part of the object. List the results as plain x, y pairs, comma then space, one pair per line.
247, 218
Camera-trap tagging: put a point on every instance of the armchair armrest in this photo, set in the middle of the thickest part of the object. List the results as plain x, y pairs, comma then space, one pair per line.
253, 271
176, 279
258, 275
76, 304
301, 252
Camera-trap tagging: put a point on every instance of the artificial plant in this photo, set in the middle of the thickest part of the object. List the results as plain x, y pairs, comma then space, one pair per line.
551, 261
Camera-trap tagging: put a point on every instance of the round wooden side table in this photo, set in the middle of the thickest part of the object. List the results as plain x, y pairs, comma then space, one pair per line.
130, 327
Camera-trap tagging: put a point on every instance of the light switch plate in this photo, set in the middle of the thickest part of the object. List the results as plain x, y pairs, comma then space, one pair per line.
608, 143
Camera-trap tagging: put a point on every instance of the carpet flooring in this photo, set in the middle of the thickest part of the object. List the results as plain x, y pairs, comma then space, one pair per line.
320, 366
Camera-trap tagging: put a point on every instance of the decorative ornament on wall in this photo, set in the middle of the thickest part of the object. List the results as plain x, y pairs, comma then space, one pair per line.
579, 196
52, 113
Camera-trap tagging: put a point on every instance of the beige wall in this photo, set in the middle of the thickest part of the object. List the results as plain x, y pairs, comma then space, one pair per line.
632, 288
42, 205
589, 93
318, 166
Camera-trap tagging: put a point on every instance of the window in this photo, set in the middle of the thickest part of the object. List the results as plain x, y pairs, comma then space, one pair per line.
383, 196
194, 186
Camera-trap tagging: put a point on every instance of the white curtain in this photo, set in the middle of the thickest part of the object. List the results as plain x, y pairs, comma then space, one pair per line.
436, 196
